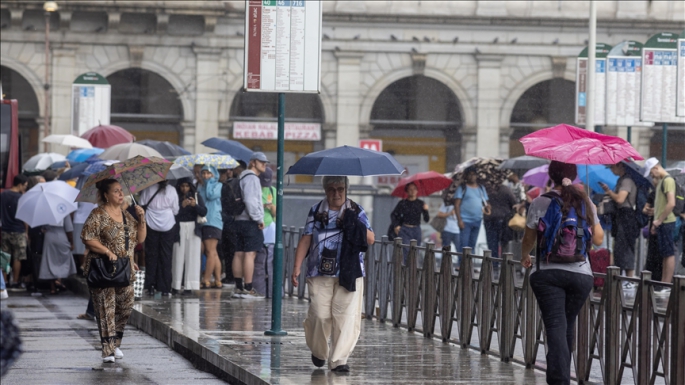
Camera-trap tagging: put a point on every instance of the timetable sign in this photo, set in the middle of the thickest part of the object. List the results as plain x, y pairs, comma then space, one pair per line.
282, 46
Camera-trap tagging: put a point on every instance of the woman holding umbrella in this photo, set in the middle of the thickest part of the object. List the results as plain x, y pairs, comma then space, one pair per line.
406, 217
106, 233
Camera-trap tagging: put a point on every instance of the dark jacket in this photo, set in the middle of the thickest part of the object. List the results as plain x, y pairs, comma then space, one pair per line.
354, 242
189, 213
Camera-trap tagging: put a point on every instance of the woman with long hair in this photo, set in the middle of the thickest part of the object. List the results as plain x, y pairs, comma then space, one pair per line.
561, 288
187, 247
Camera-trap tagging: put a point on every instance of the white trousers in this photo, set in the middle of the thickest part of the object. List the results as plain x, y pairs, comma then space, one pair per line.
335, 314
186, 253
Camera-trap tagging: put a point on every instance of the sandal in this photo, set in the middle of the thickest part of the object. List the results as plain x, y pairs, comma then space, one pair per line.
84, 316
217, 285
60, 287
205, 285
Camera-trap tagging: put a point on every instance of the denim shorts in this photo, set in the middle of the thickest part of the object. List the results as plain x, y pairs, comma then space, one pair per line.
664, 234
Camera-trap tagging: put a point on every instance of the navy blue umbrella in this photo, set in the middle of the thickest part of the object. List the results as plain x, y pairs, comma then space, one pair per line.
235, 149
62, 163
74, 172
348, 161
165, 148
634, 171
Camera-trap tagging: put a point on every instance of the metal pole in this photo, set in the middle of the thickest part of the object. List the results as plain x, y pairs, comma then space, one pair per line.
46, 86
629, 137
664, 147
591, 74
277, 295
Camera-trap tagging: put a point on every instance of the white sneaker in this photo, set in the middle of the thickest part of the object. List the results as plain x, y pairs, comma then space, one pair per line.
238, 293
252, 294
3, 294
108, 359
628, 286
664, 292
118, 354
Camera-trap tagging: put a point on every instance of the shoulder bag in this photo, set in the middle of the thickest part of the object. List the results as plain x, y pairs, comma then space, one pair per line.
200, 220
105, 273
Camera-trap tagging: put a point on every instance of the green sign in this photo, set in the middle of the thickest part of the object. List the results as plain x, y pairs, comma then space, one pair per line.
91, 78
663, 40
601, 51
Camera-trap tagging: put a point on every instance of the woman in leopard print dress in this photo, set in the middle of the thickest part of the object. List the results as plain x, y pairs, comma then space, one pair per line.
104, 233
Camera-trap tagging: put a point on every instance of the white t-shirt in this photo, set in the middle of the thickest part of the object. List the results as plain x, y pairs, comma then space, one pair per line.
161, 211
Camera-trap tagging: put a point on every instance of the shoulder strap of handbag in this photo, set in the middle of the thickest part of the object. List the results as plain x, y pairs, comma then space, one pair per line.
123, 214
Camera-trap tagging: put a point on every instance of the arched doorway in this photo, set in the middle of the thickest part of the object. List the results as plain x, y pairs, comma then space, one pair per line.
545, 104
303, 113
15, 86
419, 120
146, 104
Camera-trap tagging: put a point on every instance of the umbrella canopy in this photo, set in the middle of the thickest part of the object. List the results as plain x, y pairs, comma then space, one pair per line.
635, 172
98, 166
539, 176
426, 182
42, 161
134, 174
216, 160
63, 163
82, 154
74, 172
107, 136
68, 141
177, 172
47, 203
235, 149
167, 149
592, 175
348, 161
125, 151
569, 144
525, 162
488, 169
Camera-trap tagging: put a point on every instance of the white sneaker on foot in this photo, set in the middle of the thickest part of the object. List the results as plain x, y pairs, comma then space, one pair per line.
628, 286
118, 354
238, 293
3, 294
108, 359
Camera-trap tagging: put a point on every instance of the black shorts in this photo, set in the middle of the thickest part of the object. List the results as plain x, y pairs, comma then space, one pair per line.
211, 232
248, 236
664, 234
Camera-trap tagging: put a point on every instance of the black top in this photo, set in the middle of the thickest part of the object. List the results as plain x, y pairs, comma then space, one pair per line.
408, 213
501, 200
190, 213
10, 200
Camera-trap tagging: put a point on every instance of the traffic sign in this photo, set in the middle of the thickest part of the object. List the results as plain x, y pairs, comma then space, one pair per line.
371, 144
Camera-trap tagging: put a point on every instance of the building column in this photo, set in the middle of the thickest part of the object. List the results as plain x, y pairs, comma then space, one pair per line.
188, 135
207, 97
63, 74
349, 100
488, 105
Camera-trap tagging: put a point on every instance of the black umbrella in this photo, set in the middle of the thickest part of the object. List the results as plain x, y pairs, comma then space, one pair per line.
525, 162
74, 172
235, 149
167, 149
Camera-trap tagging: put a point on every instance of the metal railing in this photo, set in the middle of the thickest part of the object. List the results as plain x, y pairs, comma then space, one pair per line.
434, 292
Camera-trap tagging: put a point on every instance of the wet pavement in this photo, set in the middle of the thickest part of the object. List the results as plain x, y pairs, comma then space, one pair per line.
61, 349
225, 334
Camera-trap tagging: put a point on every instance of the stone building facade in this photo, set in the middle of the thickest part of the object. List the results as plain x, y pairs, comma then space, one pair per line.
437, 81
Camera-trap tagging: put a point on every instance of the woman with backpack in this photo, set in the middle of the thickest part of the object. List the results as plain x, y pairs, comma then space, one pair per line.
562, 280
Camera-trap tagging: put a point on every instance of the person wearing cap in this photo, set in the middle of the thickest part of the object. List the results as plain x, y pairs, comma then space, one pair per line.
663, 225
263, 269
248, 227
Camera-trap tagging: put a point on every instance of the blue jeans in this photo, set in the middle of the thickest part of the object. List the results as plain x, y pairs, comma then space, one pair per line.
560, 294
449, 239
469, 234
2, 282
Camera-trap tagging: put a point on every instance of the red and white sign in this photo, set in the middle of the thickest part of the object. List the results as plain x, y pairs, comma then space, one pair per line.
371, 144
269, 131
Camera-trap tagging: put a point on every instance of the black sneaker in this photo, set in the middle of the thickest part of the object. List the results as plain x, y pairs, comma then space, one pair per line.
151, 291
318, 362
341, 369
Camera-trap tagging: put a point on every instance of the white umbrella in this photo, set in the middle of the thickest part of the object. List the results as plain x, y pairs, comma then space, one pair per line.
126, 151
43, 161
68, 141
47, 203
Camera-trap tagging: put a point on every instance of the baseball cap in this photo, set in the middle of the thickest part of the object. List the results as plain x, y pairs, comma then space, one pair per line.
259, 156
266, 177
649, 164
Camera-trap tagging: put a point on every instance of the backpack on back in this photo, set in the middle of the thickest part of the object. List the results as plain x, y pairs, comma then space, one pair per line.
641, 218
679, 197
562, 239
232, 198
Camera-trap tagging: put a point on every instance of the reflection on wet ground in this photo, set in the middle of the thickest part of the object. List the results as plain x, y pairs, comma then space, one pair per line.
234, 329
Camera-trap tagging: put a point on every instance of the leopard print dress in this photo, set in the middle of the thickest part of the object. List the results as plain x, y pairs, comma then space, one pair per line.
112, 305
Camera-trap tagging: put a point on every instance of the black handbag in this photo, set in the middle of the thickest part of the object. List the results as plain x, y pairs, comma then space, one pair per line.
104, 273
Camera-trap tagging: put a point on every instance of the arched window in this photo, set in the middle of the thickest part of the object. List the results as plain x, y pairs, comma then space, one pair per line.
545, 104
418, 116
146, 104
15, 86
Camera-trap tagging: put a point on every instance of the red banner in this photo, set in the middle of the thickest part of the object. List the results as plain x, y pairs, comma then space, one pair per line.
254, 45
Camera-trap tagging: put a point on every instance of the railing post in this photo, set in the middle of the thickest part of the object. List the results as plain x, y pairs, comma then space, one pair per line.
412, 280
530, 323
429, 295
466, 297
644, 324
384, 279
507, 308
370, 286
485, 302
583, 341
612, 317
397, 282
446, 295
677, 371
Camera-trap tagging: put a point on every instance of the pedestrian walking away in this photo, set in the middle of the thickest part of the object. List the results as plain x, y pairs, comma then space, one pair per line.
57, 261
111, 232
406, 217
561, 280
161, 205
334, 274
450, 233
186, 259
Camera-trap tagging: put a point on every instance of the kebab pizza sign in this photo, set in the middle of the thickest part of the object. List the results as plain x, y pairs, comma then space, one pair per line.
269, 131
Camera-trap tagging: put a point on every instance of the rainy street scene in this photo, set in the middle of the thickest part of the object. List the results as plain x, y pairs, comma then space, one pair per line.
328, 192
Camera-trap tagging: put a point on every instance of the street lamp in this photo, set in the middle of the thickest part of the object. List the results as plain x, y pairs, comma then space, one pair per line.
48, 7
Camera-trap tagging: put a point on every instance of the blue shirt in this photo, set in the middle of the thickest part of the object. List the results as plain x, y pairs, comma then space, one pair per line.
472, 202
451, 226
329, 237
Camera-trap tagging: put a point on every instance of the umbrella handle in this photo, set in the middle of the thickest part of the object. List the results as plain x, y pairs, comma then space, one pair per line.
129, 190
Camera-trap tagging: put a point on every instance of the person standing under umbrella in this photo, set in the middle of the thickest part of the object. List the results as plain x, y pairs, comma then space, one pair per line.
406, 217
13, 230
187, 249
161, 203
471, 202
57, 261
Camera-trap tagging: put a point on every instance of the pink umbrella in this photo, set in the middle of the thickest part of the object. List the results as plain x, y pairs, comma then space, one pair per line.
569, 144
107, 136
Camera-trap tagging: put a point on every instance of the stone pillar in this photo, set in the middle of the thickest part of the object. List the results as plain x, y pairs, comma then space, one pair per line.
63, 75
349, 100
207, 96
468, 143
188, 135
488, 106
